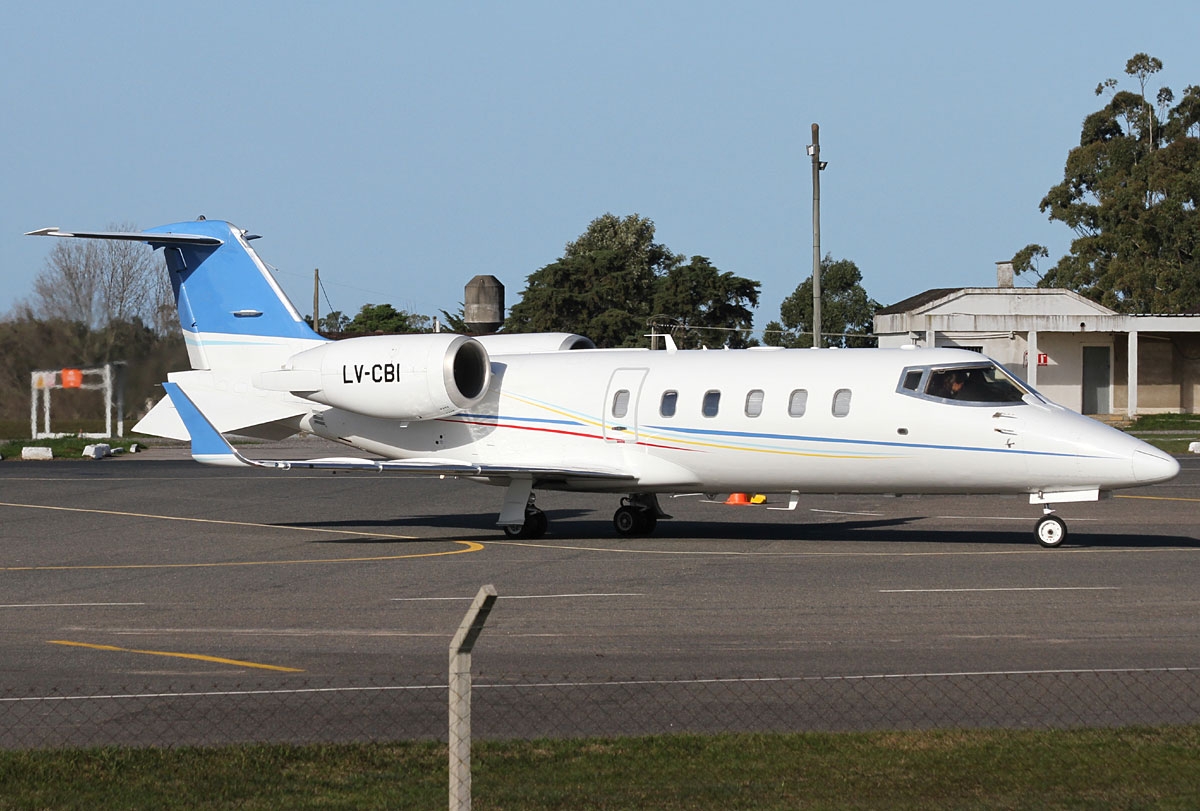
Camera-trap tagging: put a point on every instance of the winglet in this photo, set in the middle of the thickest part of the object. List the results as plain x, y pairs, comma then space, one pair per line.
208, 446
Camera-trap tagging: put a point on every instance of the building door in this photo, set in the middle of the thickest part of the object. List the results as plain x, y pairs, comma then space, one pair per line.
1097, 374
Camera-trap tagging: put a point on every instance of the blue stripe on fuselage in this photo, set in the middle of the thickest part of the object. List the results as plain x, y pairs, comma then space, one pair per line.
846, 441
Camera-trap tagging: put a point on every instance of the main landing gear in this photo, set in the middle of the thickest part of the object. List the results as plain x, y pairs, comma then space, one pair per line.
535, 524
638, 514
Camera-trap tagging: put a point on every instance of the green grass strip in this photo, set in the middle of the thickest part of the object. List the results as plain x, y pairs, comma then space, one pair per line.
1068, 769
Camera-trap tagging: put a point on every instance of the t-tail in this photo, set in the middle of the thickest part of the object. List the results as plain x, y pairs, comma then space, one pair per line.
258, 369
236, 322
231, 310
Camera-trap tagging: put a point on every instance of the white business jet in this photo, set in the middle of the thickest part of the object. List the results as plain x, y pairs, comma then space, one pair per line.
550, 412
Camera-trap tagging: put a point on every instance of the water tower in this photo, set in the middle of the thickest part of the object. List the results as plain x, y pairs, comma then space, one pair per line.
484, 309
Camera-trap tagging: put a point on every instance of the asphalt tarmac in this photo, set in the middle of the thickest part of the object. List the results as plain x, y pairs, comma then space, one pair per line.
137, 575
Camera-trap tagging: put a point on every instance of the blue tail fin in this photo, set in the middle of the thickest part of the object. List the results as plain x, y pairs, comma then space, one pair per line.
220, 284
222, 289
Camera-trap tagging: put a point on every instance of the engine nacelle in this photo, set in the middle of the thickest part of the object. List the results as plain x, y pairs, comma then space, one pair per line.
401, 377
526, 343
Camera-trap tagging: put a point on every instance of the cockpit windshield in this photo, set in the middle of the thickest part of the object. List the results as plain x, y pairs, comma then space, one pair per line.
974, 383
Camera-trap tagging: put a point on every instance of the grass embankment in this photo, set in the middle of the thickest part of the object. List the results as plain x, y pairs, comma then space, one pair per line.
1168, 432
70, 447
1123, 768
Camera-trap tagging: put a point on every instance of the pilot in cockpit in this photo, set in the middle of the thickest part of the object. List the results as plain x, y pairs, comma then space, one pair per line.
947, 384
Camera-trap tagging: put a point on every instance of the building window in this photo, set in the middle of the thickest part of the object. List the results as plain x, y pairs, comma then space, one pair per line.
841, 402
754, 400
712, 403
667, 407
797, 403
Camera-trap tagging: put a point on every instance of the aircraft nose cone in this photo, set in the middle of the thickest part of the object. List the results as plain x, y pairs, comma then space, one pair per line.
1156, 466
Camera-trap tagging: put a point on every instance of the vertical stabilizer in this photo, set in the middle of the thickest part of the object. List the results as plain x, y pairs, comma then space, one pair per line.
232, 311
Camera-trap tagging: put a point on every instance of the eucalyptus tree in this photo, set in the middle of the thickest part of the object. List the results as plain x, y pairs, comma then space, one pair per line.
1130, 192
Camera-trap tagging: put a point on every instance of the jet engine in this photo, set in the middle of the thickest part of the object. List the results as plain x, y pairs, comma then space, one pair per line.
400, 377
526, 343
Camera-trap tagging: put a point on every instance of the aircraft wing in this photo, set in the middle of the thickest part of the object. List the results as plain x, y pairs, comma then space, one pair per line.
211, 448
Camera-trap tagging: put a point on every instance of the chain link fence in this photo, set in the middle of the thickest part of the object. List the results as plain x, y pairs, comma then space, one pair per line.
522, 707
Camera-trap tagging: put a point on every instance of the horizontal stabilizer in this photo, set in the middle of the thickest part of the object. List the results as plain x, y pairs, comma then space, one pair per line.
229, 412
130, 236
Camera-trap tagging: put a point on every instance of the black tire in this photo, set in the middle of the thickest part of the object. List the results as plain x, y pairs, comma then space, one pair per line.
626, 521
1051, 531
535, 525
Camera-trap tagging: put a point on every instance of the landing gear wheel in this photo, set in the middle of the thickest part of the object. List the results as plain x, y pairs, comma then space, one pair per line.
535, 525
634, 521
1051, 531
625, 521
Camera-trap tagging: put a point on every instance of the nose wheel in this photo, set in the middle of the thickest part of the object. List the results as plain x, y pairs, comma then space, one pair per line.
1050, 530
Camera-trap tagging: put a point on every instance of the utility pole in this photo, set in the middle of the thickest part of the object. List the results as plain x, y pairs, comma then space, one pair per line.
814, 149
316, 298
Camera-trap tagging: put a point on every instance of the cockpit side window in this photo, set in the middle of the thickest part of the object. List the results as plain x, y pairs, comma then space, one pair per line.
971, 384
912, 379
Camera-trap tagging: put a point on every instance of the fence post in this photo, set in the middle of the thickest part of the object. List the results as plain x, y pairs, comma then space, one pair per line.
460, 697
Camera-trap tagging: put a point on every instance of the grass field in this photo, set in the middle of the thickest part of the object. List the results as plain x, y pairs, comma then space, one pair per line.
1113, 768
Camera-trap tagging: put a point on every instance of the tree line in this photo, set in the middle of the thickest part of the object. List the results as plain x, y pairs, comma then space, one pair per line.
1130, 192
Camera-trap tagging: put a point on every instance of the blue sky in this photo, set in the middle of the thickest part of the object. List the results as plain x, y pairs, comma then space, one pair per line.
403, 148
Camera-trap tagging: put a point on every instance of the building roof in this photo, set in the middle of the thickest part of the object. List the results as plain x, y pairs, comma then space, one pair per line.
919, 300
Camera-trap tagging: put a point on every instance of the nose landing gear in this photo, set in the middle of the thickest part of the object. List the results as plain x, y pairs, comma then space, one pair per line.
1050, 530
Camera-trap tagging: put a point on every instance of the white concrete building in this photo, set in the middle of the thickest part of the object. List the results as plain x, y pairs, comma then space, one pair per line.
1073, 350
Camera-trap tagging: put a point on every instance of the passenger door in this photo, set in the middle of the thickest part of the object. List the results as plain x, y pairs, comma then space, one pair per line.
621, 405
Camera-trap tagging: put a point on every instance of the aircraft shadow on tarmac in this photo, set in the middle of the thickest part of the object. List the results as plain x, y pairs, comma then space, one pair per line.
573, 525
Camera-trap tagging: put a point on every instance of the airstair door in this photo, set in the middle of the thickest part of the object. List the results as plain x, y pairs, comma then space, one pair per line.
621, 405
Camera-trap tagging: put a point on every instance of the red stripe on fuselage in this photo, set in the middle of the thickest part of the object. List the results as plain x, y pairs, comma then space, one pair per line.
558, 431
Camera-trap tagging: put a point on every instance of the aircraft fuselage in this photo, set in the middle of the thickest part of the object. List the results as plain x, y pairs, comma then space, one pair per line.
769, 421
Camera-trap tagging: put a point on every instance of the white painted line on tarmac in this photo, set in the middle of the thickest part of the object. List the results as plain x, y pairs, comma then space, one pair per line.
999, 518
606, 683
1014, 588
66, 605
518, 597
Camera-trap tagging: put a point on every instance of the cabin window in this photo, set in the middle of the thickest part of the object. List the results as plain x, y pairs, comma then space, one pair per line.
912, 379
841, 402
620, 406
754, 400
711, 404
797, 403
667, 407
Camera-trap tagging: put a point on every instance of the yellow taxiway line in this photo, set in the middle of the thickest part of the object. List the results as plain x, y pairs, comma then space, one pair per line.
1160, 498
467, 546
198, 656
